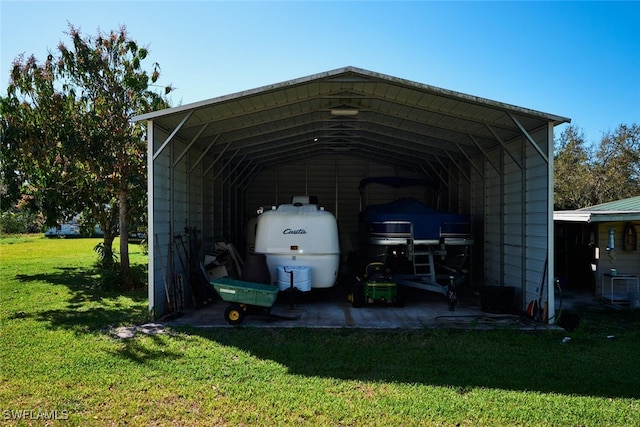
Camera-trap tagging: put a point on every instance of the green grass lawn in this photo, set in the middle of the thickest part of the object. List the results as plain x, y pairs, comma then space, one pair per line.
57, 354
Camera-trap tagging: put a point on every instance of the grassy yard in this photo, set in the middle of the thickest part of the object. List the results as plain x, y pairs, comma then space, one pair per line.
58, 359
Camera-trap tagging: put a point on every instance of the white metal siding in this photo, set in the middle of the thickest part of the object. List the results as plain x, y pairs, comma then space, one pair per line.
195, 202
493, 217
176, 204
537, 220
516, 211
477, 209
513, 222
160, 214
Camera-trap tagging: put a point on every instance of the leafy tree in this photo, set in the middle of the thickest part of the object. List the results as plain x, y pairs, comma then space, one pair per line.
67, 131
10, 182
572, 184
616, 165
586, 176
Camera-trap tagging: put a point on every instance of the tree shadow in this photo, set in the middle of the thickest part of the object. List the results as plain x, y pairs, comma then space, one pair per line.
506, 360
90, 307
143, 352
590, 365
80, 281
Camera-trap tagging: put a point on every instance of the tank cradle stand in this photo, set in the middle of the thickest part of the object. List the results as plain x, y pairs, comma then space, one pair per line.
429, 285
236, 312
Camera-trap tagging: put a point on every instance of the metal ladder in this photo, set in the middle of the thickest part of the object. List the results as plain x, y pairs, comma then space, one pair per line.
422, 259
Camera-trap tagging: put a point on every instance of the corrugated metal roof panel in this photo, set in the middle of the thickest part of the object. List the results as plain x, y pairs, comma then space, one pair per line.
632, 204
618, 210
392, 114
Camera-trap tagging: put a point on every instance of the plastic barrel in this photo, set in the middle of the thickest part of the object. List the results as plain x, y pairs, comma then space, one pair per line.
301, 277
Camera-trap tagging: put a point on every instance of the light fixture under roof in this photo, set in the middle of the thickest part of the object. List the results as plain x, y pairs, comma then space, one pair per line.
344, 112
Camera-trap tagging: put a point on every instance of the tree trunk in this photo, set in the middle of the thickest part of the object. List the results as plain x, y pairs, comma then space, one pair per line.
107, 245
124, 238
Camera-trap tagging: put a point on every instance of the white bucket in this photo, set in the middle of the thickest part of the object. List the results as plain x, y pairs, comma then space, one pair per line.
301, 277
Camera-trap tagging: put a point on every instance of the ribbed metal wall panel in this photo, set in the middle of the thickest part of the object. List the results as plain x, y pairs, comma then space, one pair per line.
537, 214
515, 216
477, 210
180, 190
493, 220
195, 205
160, 237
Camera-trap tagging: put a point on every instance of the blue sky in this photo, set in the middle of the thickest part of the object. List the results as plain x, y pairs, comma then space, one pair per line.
575, 59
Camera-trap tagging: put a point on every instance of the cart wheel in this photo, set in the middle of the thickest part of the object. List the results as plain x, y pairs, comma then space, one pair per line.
234, 314
358, 295
357, 292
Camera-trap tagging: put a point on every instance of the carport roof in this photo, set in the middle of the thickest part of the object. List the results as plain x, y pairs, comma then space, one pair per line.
350, 111
618, 210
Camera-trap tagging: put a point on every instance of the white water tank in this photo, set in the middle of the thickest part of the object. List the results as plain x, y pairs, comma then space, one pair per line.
300, 234
297, 275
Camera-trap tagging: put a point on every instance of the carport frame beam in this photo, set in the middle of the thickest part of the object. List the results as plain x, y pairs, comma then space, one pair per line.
173, 134
529, 137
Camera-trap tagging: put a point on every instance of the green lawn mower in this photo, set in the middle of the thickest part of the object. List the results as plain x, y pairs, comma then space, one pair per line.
377, 287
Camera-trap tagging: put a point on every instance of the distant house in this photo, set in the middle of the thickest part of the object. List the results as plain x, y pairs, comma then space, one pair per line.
72, 228
63, 230
596, 248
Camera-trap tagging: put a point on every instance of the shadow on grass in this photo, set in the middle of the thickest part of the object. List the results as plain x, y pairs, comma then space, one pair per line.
591, 365
90, 307
145, 352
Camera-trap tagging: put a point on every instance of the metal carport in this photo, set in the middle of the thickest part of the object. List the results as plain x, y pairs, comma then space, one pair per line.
211, 163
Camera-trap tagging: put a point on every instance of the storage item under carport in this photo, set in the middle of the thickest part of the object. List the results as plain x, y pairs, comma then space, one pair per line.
294, 277
300, 234
377, 287
246, 298
430, 247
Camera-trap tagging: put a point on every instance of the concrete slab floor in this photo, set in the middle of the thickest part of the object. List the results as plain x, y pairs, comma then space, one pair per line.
331, 309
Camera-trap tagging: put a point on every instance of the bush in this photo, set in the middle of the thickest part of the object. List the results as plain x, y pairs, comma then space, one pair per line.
111, 279
110, 276
106, 257
19, 222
